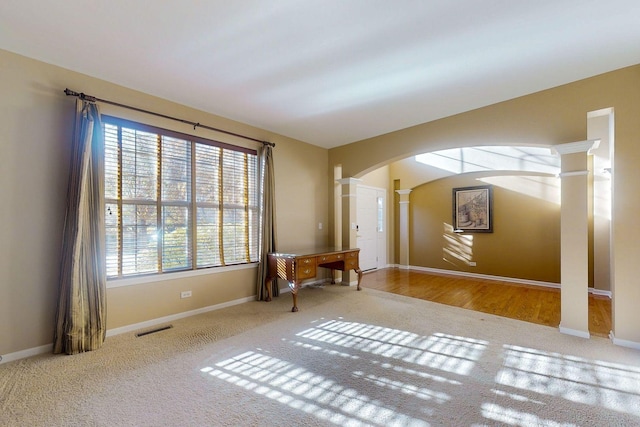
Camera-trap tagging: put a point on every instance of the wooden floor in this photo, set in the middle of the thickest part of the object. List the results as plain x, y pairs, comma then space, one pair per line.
535, 304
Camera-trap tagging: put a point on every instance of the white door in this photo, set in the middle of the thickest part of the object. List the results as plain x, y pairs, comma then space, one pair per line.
371, 237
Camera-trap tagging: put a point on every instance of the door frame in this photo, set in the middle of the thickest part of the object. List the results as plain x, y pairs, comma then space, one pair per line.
381, 237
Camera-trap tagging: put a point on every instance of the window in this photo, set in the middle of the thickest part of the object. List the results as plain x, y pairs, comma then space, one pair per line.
380, 204
176, 202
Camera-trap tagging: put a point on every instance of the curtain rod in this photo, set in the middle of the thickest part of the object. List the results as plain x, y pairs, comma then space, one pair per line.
195, 125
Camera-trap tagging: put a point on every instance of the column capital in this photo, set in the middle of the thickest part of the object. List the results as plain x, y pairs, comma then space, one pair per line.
404, 196
575, 147
348, 181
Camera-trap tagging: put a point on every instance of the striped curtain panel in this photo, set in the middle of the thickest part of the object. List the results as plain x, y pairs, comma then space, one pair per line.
81, 314
267, 219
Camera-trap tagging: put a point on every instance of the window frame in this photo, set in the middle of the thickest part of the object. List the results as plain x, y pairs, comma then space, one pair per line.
251, 205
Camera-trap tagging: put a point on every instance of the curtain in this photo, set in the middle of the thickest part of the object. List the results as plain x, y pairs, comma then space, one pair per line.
81, 314
267, 219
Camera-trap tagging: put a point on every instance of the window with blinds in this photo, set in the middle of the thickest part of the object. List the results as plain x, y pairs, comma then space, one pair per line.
176, 202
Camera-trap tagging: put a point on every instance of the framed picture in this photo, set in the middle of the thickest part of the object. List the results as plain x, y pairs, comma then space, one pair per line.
473, 209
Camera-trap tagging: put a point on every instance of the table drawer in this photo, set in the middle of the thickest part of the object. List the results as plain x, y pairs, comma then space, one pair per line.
306, 268
323, 259
351, 260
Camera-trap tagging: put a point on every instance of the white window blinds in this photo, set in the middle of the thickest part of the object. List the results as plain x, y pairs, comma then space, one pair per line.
176, 202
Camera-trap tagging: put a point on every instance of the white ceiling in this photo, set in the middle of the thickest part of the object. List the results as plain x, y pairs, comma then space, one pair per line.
328, 72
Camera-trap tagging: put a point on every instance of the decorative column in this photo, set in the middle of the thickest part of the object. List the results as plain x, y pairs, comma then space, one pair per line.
574, 240
349, 225
403, 255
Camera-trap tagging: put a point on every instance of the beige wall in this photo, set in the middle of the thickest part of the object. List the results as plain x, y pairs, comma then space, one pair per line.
546, 118
35, 136
378, 178
525, 242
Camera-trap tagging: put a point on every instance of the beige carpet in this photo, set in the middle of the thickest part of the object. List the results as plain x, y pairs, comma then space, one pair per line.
346, 358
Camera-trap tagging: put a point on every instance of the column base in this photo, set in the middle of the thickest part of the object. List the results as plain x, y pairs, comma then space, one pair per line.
575, 332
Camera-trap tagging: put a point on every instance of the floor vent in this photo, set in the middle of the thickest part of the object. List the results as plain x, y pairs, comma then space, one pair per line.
153, 331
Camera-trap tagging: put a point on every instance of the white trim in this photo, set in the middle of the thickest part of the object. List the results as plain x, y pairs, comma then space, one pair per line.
495, 278
575, 147
163, 277
129, 328
373, 270
403, 202
403, 192
35, 351
165, 319
624, 343
487, 277
575, 332
601, 112
346, 181
600, 292
573, 173
154, 322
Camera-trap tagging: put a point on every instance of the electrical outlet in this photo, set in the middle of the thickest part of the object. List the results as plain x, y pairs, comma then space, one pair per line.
472, 263
185, 294
319, 226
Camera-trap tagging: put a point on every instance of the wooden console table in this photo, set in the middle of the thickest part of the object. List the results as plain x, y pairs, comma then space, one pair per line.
296, 266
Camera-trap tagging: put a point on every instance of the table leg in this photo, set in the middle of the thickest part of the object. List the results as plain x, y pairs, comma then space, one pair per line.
294, 293
268, 284
333, 276
359, 273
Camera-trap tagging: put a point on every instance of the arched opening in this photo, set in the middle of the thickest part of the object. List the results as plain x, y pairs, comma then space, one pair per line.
525, 247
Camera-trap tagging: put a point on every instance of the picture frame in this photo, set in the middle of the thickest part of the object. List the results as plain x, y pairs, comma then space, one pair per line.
473, 209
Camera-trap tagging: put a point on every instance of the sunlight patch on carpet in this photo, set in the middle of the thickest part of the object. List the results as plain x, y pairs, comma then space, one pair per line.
309, 392
445, 352
404, 387
514, 417
576, 379
344, 404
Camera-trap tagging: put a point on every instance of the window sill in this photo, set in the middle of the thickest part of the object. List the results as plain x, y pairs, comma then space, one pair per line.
138, 280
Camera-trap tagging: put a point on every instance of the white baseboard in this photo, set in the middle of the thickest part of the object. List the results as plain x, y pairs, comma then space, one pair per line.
600, 292
35, 351
496, 278
165, 319
48, 348
488, 277
575, 332
624, 343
